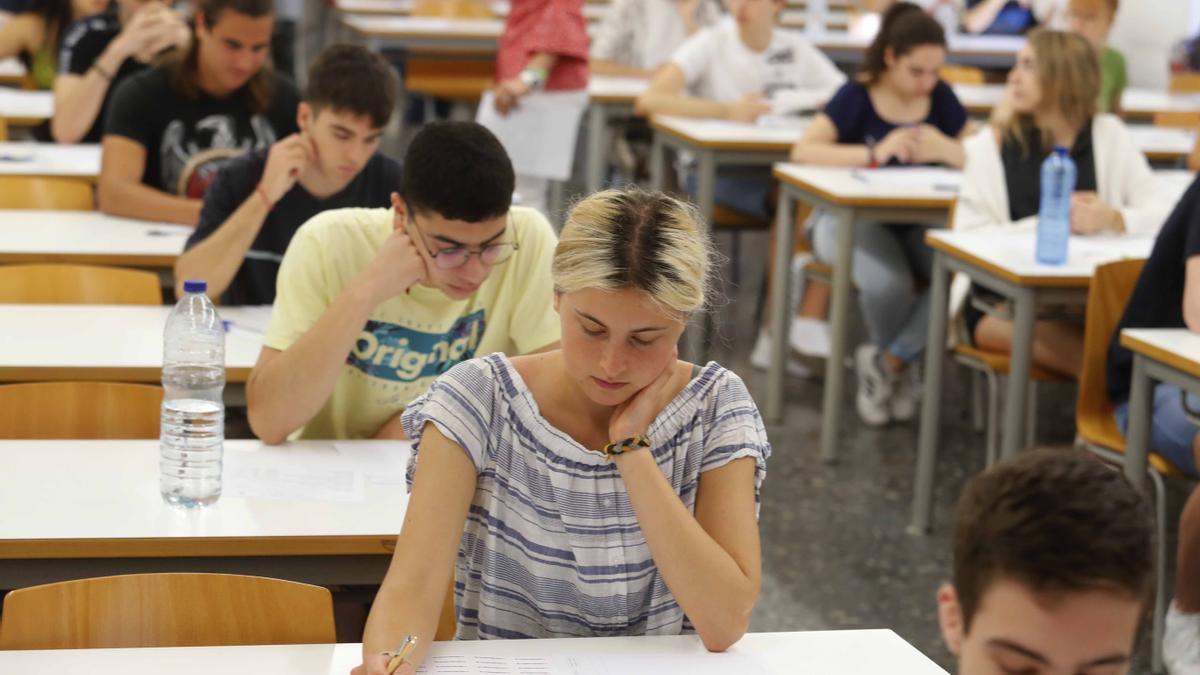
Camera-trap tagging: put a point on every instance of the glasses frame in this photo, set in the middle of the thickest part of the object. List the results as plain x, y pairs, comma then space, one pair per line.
470, 250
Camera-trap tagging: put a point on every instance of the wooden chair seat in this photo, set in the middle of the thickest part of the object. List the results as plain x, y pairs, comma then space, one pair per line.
1102, 430
166, 610
998, 362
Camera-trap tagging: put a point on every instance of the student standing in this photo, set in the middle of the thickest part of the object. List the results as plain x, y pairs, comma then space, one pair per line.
261, 198
898, 112
372, 305
605, 488
171, 127
1054, 88
1053, 568
100, 52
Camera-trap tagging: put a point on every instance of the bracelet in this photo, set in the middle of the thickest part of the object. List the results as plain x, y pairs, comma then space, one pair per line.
103, 73
625, 445
263, 193
872, 161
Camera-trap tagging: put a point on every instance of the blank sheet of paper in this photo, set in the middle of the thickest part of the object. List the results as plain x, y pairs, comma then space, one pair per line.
540, 134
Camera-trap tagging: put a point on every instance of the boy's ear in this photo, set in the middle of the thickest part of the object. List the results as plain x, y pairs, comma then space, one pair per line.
950, 617
399, 211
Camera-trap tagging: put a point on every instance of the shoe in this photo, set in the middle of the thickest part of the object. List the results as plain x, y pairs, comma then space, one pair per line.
809, 337
1181, 642
906, 393
760, 358
873, 399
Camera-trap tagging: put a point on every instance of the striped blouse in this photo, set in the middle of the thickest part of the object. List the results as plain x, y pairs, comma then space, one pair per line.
551, 546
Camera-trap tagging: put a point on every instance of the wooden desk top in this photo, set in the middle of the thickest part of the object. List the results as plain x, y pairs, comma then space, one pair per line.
88, 237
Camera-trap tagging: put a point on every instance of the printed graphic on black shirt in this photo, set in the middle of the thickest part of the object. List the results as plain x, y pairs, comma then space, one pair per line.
191, 157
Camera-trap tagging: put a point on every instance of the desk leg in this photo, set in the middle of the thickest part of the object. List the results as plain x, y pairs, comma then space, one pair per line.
785, 241
1019, 372
697, 338
835, 367
1137, 437
596, 155
935, 359
658, 163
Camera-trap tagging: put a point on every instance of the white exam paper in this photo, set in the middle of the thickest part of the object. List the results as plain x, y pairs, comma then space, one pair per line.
266, 477
539, 136
382, 462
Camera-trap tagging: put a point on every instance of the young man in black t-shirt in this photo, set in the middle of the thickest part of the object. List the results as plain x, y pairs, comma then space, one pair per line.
100, 51
170, 128
260, 199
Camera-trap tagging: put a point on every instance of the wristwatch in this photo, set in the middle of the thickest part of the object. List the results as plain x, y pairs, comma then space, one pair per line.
534, 78
625, 445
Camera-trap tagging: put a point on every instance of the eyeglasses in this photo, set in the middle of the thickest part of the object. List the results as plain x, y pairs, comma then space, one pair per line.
454, 257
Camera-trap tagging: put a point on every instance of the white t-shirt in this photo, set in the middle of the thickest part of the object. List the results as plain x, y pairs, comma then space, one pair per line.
718, 66
644, 33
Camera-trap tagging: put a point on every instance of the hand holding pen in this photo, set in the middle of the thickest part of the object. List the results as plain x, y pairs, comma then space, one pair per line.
398, 662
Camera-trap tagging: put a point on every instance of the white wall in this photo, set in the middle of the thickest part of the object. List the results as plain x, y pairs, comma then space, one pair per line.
1145, 31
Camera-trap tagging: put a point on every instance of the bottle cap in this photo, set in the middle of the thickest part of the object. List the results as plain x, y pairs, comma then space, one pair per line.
1060, 150
195, 286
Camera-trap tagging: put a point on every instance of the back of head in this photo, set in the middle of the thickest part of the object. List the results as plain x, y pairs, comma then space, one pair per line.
352, 79
630, 238
904, 27
459, 171
1068, 73
1055, 521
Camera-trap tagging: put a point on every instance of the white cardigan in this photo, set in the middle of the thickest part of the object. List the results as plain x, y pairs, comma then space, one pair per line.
1123, 180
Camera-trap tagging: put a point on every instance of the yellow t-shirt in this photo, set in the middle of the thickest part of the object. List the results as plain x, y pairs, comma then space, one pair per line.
410, 339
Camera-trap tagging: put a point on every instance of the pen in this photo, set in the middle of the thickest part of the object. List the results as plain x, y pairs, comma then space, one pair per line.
400, 656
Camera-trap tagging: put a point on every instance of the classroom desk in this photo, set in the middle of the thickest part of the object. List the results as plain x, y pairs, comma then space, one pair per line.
463, 36
50, 159
857, 198
610, 98
1163, 144
88, 238
110, 342
500, 8
984, 51
1003, 260
1169, 356
849, 652
12, 72
1136, 104
23, 108
104, 514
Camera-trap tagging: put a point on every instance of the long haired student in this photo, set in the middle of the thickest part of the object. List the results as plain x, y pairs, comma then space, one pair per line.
1053, 92
602, 489
897, 112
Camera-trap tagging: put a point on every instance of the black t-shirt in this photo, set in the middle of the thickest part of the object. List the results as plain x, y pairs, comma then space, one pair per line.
856, 120
1157, 300
187, 139
254, 283
1023, 169
83, 43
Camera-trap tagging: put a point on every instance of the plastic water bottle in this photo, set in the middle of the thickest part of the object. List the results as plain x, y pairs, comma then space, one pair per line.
1054, 212
192, 434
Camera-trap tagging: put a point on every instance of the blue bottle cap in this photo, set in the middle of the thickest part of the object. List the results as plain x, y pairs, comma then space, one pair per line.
1060, 150
195, 286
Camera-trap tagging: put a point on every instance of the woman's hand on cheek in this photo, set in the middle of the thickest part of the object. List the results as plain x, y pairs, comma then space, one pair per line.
634, 416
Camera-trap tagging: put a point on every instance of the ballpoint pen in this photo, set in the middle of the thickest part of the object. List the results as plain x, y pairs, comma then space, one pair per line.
400, 656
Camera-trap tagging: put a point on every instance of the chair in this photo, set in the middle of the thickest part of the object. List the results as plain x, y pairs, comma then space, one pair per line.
456, 79
3, 129
1185, 83
1180, 119
69, 410
78, 285
166, 610
45, 192
454, 9
955, 74
1097, 430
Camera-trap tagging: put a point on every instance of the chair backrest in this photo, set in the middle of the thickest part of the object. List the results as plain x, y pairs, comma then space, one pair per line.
1109, 292
1185, 119
71, 410
454, 9
166, 610
3, 129
46, 192
1185, 83
78, 285
956, 74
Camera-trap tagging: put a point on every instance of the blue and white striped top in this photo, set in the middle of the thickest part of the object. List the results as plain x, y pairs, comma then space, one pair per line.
551, 546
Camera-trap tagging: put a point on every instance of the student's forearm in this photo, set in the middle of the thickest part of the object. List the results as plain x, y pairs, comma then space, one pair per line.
977, 19
218, 258
714, 592
284, 393
608, 68
1191, 294
831, 154
134, 200
400, 610
78, 104
685, 106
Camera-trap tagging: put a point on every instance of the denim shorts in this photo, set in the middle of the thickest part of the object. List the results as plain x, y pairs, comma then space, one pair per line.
1172, 434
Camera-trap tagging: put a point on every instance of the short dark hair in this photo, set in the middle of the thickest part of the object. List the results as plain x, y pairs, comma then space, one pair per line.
459, 171
903, 28
1054, 520
353, 79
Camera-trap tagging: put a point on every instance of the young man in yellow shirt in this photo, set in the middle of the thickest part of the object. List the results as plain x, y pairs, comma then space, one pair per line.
373, 304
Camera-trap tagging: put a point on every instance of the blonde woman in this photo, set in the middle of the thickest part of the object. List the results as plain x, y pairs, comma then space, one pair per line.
604, 488
1054, 89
